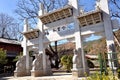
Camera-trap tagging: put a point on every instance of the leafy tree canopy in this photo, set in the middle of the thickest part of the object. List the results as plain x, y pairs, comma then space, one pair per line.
3, 56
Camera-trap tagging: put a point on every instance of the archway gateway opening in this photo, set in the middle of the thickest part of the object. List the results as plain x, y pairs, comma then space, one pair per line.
97, 21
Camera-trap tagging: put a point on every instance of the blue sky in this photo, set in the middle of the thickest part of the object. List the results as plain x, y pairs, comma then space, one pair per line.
8, 6
87, 4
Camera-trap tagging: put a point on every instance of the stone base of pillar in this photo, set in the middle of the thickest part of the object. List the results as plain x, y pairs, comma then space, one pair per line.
28, 73
80, 72
21, 68
36, 73
22, 73
19, 74
48, 73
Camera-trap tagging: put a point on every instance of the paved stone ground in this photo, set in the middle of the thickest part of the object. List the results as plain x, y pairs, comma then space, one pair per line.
56, 76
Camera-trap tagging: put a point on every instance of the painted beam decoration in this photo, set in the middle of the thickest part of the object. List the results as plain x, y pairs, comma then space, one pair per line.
90, 18
32, 34
56, 15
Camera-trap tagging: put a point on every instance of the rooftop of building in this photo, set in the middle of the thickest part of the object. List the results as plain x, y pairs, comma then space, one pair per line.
9, 41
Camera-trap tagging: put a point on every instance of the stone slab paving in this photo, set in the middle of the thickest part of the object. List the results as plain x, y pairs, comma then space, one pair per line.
56, 76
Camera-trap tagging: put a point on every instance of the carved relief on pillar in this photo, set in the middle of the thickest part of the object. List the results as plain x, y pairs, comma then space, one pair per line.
20, 67
112, 56
37, 63
76, 60
49, 70
111, 48
79, 67
37, 66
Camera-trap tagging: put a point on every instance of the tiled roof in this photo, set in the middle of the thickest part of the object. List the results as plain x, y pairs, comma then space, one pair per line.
56, 15
9, 41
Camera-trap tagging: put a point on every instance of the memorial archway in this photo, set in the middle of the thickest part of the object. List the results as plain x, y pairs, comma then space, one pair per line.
97, 21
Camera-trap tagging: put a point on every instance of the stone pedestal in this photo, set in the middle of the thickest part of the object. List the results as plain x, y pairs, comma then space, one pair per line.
36, 73
48, 71
37, 67
19, 74
28, 72
21, 67
78, 69
80, 72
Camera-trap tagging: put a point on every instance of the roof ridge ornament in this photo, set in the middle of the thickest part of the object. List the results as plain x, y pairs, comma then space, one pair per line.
81, 10
41, 6
97, 5
41, 9
69, 3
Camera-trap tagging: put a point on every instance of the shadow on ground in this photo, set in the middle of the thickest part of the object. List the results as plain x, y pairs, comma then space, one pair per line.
4, 76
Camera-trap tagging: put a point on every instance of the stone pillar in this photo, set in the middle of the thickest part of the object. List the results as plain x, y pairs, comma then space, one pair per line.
23, 65
24, 43
40, 70
80, 67
41, 37
25, 48
108, 32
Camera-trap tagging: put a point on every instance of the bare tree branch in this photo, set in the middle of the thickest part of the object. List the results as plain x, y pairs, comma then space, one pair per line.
115, 8
8, 27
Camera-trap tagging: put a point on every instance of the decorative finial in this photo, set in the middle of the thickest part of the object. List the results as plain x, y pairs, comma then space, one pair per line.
97, 6
69, 2
25, 20
41, 6
81, 10
41, 9
25, 25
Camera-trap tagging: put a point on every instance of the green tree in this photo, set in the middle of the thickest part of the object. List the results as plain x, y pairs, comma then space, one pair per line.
3, 56
66, 61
